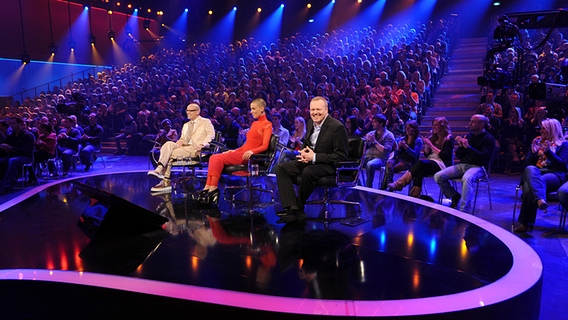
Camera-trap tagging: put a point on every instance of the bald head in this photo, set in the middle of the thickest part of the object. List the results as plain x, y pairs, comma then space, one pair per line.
192, 111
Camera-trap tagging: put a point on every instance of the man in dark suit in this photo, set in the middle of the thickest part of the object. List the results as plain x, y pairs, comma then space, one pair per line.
325, 144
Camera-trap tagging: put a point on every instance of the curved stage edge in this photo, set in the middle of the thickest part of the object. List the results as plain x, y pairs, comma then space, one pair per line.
85, 294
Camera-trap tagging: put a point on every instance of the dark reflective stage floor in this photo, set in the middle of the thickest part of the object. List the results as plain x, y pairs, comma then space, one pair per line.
405, 250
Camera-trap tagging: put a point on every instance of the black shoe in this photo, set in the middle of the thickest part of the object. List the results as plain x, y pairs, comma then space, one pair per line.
294, 215
288, 210
31, 182
455, 200
202, 196
301, 216
209, 197
214, 196
87, 167
287, 218
522, 229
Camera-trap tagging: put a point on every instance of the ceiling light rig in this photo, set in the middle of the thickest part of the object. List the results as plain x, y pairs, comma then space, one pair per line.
25, 58
92, 39
52, 49
72, 44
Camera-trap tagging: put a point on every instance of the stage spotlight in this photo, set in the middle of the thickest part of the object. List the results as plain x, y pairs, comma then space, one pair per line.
111, 34
92, 39
71, 44
496, 3
309, 5
52, 49
128, 29
282, 6
210, 12
359, 1
160, 13
146, 24
109, 11
25, 57
234, 8
186, 10
149, 10
118, 4
129, 6
259, 10
86, 7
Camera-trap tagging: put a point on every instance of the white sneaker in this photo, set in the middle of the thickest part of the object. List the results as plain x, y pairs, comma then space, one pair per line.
157, 173
164, 186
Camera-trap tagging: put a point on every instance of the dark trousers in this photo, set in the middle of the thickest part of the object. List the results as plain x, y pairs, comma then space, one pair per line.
286, 174
422, 169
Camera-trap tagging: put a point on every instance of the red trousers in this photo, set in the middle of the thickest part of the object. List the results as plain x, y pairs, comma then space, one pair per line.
218, 161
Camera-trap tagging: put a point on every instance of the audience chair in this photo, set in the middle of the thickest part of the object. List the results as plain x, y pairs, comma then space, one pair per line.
25, 166
550, 196
346, 176
57, 164
381, 170
483, 178
98, 155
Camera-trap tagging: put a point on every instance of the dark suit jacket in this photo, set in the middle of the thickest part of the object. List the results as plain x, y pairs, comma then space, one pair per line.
331, 146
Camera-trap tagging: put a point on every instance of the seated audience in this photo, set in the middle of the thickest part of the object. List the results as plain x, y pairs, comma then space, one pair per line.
68, 144
14, 153
474, 151
439, 153
45, 146
380, 144
512, 138
351, 124
405, 155
545, 172
127, 133
90, 141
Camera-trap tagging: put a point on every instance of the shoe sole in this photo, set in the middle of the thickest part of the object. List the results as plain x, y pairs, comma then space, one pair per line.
156, 175
161, 190
291, 218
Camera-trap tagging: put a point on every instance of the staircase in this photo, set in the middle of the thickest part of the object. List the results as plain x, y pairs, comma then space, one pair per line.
457, 97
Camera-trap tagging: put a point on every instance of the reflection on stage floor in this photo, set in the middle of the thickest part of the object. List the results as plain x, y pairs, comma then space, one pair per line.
406, 251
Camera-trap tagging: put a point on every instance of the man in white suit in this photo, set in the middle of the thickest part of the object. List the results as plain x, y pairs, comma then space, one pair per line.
195, 134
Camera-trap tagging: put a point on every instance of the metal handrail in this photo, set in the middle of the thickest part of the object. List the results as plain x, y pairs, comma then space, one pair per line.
60, 82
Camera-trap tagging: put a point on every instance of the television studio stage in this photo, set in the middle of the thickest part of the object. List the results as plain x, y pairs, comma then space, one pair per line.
167, 256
